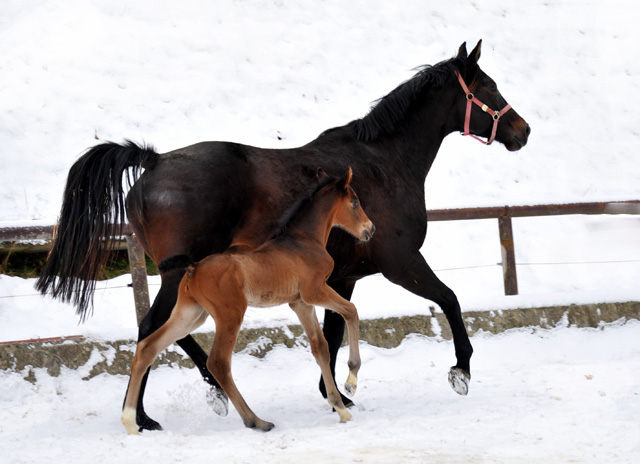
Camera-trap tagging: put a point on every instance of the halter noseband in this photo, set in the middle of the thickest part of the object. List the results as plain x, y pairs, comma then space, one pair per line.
467, 119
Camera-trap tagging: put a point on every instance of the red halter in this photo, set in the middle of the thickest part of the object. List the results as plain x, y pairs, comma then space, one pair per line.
494, 114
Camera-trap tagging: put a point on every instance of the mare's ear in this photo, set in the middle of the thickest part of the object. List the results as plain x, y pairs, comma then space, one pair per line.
474, 56
462, 51
345, 180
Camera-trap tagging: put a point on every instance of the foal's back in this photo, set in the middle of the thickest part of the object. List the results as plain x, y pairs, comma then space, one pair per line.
270, 275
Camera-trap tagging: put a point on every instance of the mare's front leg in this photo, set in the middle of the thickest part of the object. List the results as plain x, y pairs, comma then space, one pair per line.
412, 272
320, 350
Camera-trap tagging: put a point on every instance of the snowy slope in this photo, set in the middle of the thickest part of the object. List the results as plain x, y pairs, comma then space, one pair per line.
275, 73
175, 73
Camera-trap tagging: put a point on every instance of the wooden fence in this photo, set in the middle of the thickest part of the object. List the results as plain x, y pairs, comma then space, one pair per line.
504, 215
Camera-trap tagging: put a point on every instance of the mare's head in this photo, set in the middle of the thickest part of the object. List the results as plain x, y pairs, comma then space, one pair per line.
482, 110
349, 215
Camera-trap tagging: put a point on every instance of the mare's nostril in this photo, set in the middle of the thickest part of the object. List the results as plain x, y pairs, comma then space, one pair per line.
527, 131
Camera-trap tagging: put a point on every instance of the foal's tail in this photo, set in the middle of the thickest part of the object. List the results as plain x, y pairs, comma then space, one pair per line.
182, 262
93, 207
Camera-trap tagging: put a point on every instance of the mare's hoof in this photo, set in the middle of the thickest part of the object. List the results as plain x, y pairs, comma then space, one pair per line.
346, 401
146, 423
218, 401
459, 380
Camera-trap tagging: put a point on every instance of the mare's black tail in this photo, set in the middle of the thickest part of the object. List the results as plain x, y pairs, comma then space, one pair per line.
92, 208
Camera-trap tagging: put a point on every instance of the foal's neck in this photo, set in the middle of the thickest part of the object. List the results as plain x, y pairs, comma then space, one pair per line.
316, 220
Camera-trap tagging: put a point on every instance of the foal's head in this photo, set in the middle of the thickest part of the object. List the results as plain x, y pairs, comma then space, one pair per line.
349, 215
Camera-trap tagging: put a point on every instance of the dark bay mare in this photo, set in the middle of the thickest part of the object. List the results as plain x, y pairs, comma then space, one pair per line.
243, 193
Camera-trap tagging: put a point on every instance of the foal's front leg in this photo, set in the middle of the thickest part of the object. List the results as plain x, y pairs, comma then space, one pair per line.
327, 297
320, 349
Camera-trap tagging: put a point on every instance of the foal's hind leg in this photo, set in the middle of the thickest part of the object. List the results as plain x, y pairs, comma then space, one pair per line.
184, 318
158, 314
320, 350
228, 322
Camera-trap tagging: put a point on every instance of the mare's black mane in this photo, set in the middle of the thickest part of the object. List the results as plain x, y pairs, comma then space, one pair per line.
392, 108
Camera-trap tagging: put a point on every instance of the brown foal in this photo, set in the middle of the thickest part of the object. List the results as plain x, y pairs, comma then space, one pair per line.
290, 268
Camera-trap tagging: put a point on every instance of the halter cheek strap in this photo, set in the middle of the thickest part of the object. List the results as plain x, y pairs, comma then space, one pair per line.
467, 118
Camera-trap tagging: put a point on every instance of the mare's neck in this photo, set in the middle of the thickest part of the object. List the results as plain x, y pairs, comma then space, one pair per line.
416, 139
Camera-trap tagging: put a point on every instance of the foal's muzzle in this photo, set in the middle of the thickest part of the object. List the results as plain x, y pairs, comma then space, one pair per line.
368, 233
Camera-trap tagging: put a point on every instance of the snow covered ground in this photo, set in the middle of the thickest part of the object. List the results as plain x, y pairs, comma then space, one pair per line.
276, 74
537, 396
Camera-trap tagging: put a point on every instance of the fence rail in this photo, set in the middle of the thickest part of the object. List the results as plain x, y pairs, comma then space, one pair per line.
503, 214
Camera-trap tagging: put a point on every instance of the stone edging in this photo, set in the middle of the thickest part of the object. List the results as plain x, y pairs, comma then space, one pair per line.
114, 357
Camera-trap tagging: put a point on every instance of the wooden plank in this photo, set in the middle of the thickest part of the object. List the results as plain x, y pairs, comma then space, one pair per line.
507, 247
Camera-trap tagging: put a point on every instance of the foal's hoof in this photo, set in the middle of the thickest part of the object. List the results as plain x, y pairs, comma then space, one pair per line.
351, 385
350, 388
344, 414
459, 380
259, 424
218, 401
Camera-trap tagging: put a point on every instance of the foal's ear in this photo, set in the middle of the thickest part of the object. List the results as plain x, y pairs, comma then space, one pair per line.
344, 182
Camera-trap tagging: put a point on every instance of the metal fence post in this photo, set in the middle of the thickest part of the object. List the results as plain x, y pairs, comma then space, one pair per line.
138, 267
508, 254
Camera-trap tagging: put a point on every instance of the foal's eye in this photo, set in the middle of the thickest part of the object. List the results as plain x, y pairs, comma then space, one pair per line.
355, 204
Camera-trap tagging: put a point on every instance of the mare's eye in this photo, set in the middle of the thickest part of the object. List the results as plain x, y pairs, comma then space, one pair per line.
355, 204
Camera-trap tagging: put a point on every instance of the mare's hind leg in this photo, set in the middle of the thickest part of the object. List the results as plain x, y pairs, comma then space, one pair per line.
186, 316
228, 322
320, 350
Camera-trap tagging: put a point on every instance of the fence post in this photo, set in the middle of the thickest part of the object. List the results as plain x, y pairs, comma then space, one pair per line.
508, 254
138, 267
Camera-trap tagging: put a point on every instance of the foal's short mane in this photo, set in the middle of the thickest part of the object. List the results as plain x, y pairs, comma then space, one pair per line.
391, 109
300, 205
